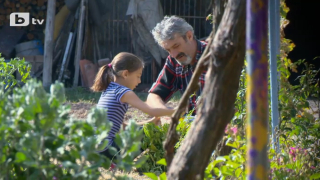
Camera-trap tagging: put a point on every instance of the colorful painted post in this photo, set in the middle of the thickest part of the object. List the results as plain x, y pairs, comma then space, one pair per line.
257, 93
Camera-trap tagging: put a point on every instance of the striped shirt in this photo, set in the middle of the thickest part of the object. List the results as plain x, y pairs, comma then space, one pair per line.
174, 77
110, 100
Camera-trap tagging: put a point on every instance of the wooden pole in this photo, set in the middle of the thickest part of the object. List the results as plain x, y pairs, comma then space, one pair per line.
257, 93
48, 44
79, 42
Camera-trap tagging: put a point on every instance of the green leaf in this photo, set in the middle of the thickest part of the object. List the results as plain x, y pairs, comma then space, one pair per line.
119, 141
134, 148
88, 130
233, 164
217, 172
67, 164
289, 166
238, 172
141, 161
106, 164
315, 176
226, 171
207, 174
113, 151
3, 158
218, 160
151, 175
57, 90
231, 144
163, 176
20, 157
162, 162
95, 157
35, 175
283, 136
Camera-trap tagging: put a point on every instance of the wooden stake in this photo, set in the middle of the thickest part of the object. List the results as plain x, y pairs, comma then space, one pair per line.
97, 43
48, 44
65, 56
79, 43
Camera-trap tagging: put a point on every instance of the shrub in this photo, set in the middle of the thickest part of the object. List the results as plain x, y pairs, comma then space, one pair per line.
8, 70
38, 140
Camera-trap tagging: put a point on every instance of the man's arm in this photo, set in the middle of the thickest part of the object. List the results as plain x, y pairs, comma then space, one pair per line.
164, 87
154, 100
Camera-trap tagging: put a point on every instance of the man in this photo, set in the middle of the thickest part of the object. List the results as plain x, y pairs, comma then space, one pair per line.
176, 36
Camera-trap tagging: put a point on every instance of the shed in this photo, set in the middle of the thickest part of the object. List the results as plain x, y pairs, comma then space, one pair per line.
112, 26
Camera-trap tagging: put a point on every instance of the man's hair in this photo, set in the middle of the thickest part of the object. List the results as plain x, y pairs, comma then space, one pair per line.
169, 27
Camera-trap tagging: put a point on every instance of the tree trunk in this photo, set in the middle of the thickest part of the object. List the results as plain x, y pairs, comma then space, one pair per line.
226, 60
218, 11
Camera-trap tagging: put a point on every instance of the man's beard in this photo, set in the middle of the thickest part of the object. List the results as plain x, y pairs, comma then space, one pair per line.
186, 62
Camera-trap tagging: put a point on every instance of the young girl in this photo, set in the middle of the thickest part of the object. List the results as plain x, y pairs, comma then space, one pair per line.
116, 81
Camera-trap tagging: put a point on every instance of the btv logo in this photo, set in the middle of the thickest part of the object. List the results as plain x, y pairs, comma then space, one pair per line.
23, 19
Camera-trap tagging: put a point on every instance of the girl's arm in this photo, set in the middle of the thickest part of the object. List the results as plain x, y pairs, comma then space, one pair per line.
155, 120
132, 99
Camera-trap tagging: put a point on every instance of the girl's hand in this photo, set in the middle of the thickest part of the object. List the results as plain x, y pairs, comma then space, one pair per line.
156, 121
124, 124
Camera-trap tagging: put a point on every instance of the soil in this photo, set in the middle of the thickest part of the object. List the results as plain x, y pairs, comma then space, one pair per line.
80, 110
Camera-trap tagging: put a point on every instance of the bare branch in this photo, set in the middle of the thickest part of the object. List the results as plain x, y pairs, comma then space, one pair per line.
172, 136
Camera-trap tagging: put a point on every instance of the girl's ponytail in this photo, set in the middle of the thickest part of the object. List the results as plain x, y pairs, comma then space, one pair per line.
103, 78
122, 61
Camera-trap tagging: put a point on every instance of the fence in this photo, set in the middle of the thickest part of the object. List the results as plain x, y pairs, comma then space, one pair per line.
116, 32
193, 11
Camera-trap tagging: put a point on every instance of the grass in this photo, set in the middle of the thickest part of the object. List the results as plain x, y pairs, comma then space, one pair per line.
80, 94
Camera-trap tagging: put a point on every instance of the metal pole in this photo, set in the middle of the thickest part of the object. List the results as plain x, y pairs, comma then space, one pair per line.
277, 29
274, 48
257, 93
63, 65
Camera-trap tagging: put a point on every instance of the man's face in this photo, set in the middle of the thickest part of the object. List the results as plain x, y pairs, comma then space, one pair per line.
180, 48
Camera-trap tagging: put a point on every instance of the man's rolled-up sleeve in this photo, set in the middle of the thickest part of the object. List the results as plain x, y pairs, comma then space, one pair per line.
165, 84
